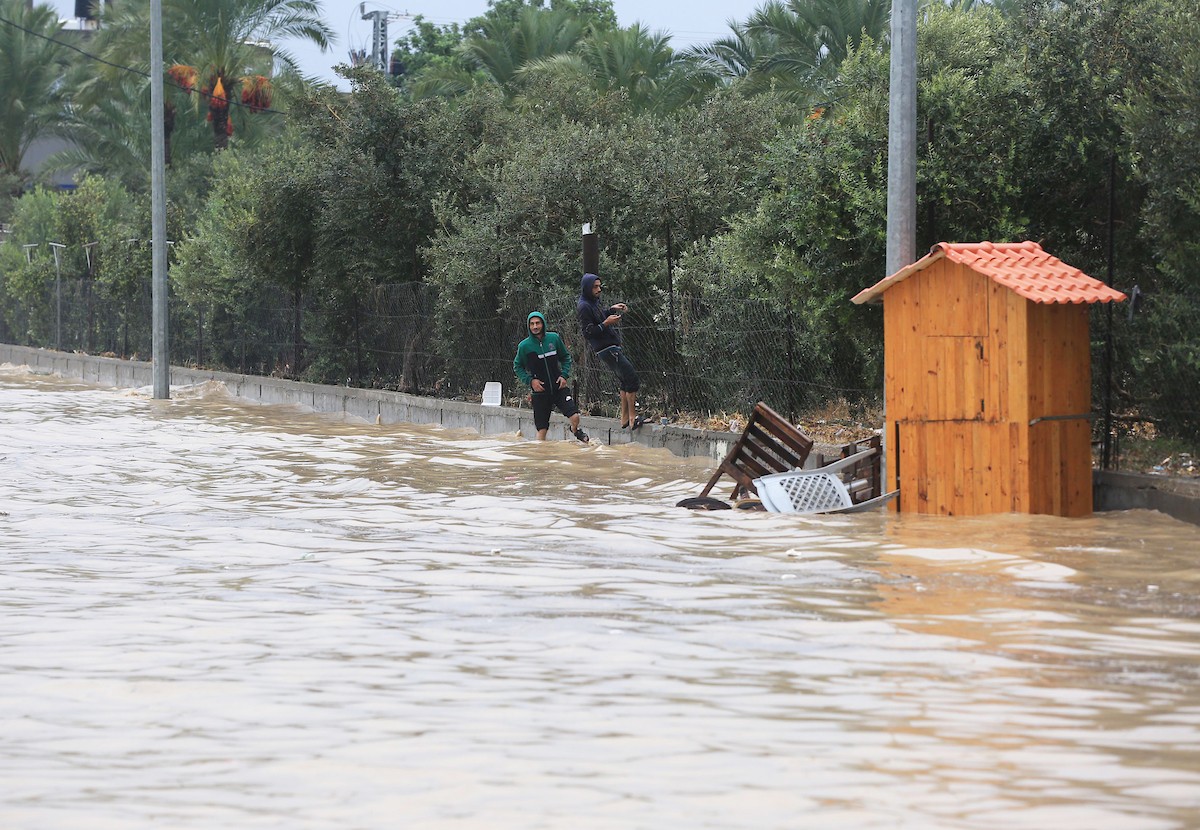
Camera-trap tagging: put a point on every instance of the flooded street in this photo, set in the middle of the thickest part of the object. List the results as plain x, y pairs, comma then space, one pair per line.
216, 614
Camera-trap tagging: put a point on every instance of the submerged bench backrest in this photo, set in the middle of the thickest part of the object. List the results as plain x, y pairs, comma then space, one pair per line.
769, 444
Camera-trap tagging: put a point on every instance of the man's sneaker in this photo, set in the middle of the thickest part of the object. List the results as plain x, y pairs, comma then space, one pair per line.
581, 435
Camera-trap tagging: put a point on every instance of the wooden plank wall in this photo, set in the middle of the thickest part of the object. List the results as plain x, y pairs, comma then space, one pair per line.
968, 364
1060, 361
1060, 384
942, 389
956, 468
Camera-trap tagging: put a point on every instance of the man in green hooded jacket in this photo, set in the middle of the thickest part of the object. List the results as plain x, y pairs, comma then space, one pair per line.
544, 364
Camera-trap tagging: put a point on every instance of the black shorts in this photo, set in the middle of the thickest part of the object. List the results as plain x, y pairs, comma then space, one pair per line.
544, 403
627, 376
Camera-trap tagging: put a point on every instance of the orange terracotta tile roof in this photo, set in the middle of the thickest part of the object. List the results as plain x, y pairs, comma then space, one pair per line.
1022, 267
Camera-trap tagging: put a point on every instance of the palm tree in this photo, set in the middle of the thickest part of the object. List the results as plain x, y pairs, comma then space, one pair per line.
797, 46
500, 52
730, 58
635, 61
31, 65
223, 50
111, 136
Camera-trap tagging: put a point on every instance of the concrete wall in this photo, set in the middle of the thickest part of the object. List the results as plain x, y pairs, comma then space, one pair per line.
375, 405
1178, 497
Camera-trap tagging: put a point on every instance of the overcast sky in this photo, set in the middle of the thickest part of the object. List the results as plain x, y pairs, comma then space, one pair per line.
689, 22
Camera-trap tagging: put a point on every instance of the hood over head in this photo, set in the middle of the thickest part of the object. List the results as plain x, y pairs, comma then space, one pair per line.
586, 285
540, 316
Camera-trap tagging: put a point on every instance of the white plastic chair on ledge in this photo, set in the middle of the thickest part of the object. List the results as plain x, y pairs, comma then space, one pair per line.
815, 491
492, 390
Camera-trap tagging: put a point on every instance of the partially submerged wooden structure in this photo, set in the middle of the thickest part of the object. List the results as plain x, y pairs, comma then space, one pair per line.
987, 366
768, 444
771, 444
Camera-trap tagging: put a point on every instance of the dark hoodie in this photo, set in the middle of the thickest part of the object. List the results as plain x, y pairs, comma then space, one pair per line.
592, 313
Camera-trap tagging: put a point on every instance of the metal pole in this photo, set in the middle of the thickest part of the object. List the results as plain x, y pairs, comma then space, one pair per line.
158, 201
902, 161
379, 39
791, 363
591, 265
54, 246
902, 139
671, 311
591, 251
1106, 454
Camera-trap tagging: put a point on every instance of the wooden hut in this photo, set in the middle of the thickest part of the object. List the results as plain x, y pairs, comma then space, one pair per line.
987, 366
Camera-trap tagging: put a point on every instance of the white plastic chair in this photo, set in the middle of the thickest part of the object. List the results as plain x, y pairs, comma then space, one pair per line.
492, 390
815, 491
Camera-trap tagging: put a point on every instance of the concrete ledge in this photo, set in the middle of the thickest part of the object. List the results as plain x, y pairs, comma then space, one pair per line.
376, 405
1177, 497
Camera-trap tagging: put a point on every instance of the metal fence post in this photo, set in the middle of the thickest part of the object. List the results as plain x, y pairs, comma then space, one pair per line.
791, 364
674, 362
591, 265
1106, 455
55, 246
88, 298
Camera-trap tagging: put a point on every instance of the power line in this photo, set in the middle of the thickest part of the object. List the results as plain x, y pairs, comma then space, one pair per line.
133, 71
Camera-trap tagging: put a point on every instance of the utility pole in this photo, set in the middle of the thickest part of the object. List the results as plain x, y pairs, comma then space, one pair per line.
902, 159
379, 38
161, 367
902, 139
381, 50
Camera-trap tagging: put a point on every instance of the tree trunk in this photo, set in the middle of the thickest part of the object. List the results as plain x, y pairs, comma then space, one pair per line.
220, 122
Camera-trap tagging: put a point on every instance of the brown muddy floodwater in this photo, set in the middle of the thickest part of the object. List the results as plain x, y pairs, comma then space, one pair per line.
215, 614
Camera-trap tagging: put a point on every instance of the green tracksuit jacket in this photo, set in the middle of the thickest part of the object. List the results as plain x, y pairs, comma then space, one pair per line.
546, 359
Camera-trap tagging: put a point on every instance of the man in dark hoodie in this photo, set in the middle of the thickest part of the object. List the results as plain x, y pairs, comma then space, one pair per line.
544, 363
600, 328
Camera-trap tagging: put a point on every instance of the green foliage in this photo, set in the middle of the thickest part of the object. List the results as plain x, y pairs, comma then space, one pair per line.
31, 64
437, 52
801, 44
816, 235
501, 50
1076, 61
211, 275
428, 47
10, 189
1161, 117
1014, 148
739, 194
222, 40
386, 158
973, 102
343, 204
596, 14
634, 61
92, 225
636, 179
27, 269
207, 269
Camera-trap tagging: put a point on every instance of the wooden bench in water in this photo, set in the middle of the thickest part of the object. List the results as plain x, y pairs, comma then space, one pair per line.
863, 478
768, 444
771, 444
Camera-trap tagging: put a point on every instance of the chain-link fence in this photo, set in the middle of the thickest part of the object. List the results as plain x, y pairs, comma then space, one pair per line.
1146, 382
703, 358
